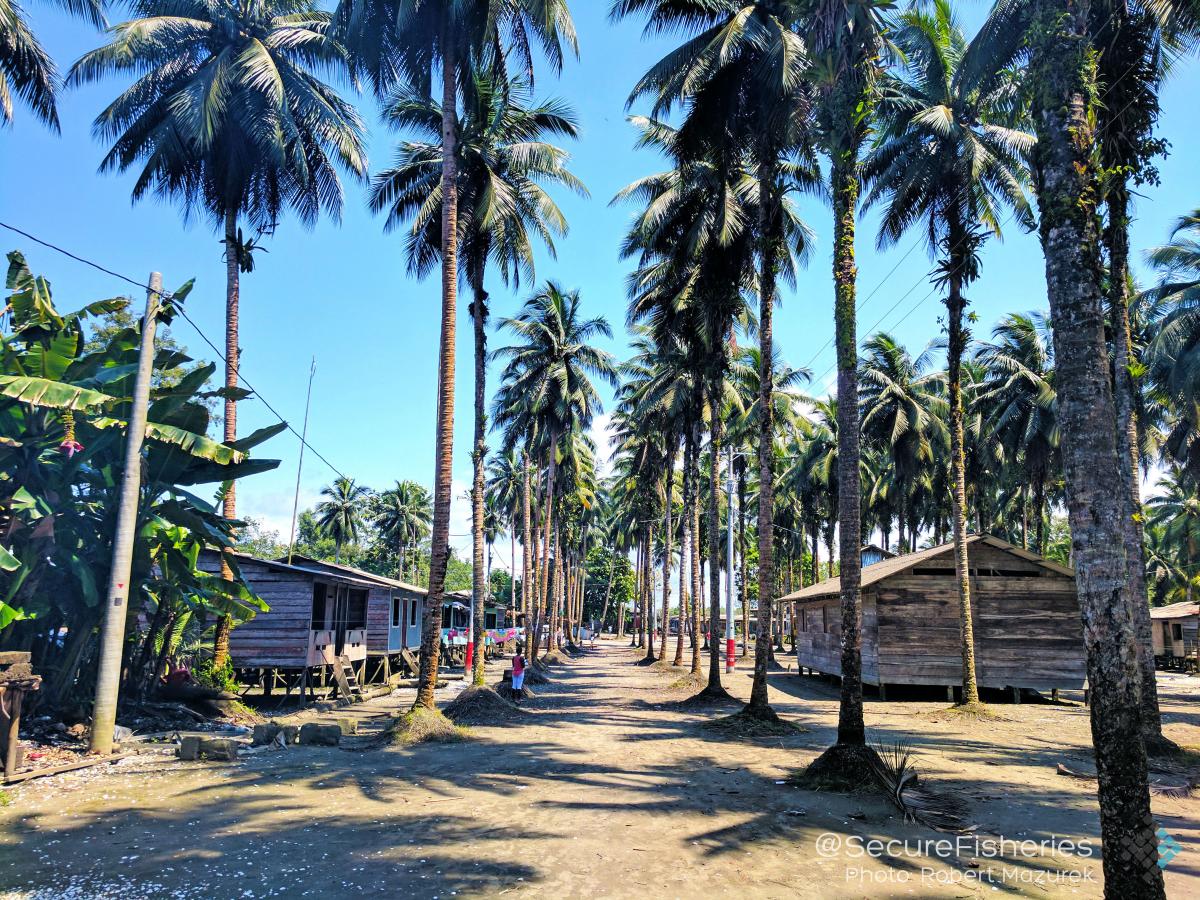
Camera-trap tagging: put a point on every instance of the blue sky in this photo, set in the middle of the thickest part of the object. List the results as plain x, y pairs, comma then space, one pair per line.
340, 291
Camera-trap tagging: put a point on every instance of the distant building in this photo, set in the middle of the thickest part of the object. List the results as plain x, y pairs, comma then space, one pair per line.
1028, 632
1174, 629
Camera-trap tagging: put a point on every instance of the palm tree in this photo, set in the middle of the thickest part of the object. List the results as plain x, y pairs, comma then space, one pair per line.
1021, 403
404, 43
228, 118
404, 516
504, 489
846, 39
26, 69
949, 157
503, 162
902, 415
547, 390
1056, 39
341, 515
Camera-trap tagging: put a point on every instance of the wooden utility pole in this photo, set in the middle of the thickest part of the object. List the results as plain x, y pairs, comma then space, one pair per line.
300, 465
112, 634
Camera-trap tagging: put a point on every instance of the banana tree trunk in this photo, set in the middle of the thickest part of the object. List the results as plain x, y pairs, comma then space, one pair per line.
1062, 65
444, 443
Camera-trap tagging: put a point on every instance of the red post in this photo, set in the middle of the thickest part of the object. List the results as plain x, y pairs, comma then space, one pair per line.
470, 655
730, 653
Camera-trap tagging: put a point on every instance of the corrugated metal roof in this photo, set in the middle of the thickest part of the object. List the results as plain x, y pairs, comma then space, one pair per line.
889, 567
1180, 610
302, 570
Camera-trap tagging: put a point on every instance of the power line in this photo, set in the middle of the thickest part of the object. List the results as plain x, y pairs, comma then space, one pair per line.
167, 296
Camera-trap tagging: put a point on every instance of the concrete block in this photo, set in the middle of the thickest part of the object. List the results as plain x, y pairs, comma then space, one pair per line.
193, 747
320, 735
348, 726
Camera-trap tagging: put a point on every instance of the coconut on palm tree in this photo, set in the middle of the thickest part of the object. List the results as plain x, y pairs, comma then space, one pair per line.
228, 118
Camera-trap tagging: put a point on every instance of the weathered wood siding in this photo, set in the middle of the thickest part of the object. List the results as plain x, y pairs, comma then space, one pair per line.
279, 637
1026, 620
819, 636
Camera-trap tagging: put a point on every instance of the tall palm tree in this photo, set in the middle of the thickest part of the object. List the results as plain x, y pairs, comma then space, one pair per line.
506, 475
845, 43
547, 389
407, 43
752, 94
340, 516
1021, 403
949, 158
404, 516
503, 163
901, 414
227, 117
26, 69
1055, 36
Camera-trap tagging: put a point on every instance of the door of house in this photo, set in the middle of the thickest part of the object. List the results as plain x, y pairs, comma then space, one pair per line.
341, 610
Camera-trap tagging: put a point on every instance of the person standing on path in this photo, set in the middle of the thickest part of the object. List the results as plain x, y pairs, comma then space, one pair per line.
518, 674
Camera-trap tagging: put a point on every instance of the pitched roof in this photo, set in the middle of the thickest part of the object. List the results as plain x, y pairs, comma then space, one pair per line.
1180, 610
282, 566
894, 566
361, 573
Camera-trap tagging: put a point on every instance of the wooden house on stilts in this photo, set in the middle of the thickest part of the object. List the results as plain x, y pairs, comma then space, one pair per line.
1025, 614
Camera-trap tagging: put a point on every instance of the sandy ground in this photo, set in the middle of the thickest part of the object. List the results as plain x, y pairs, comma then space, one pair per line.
602, 790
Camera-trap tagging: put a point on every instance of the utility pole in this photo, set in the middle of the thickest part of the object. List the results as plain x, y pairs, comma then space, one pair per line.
300, 465
730, 640
112, 634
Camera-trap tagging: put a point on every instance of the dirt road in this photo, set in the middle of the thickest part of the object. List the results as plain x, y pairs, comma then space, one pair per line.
603, 790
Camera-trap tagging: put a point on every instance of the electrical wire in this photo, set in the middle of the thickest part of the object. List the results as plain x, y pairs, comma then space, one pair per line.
167, 296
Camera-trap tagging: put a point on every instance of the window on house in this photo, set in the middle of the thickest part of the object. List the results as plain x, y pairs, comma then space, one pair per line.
397, 611
1176, 631
446, 610
803, 620
320, 595
489, 621
412, 613
825, 619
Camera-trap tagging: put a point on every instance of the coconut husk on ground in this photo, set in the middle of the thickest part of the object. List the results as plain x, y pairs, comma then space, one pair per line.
482, 705
689, 681
747, 723
505, 690
843, 768
977, 711
422, 725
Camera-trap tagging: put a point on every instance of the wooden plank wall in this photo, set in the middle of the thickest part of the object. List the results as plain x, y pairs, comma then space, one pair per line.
1026, 619
278, 637
379, 619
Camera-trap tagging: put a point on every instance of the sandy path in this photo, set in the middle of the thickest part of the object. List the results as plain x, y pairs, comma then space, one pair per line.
601, 792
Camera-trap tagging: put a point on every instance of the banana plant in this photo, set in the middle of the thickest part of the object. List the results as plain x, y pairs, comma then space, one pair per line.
63, 413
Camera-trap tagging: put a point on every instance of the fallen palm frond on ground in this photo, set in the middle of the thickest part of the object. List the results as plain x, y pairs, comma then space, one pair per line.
482, 706
894, 772
747, 723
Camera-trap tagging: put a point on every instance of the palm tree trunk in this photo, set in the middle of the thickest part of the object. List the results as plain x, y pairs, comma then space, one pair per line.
479, 313
685, 542
691, 474
544, 578
958, 494
743, 600
444, 445
714, 687
648, 592
232, 356
1062, 67
1116, 240
668, 533
526, 550
851, 728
